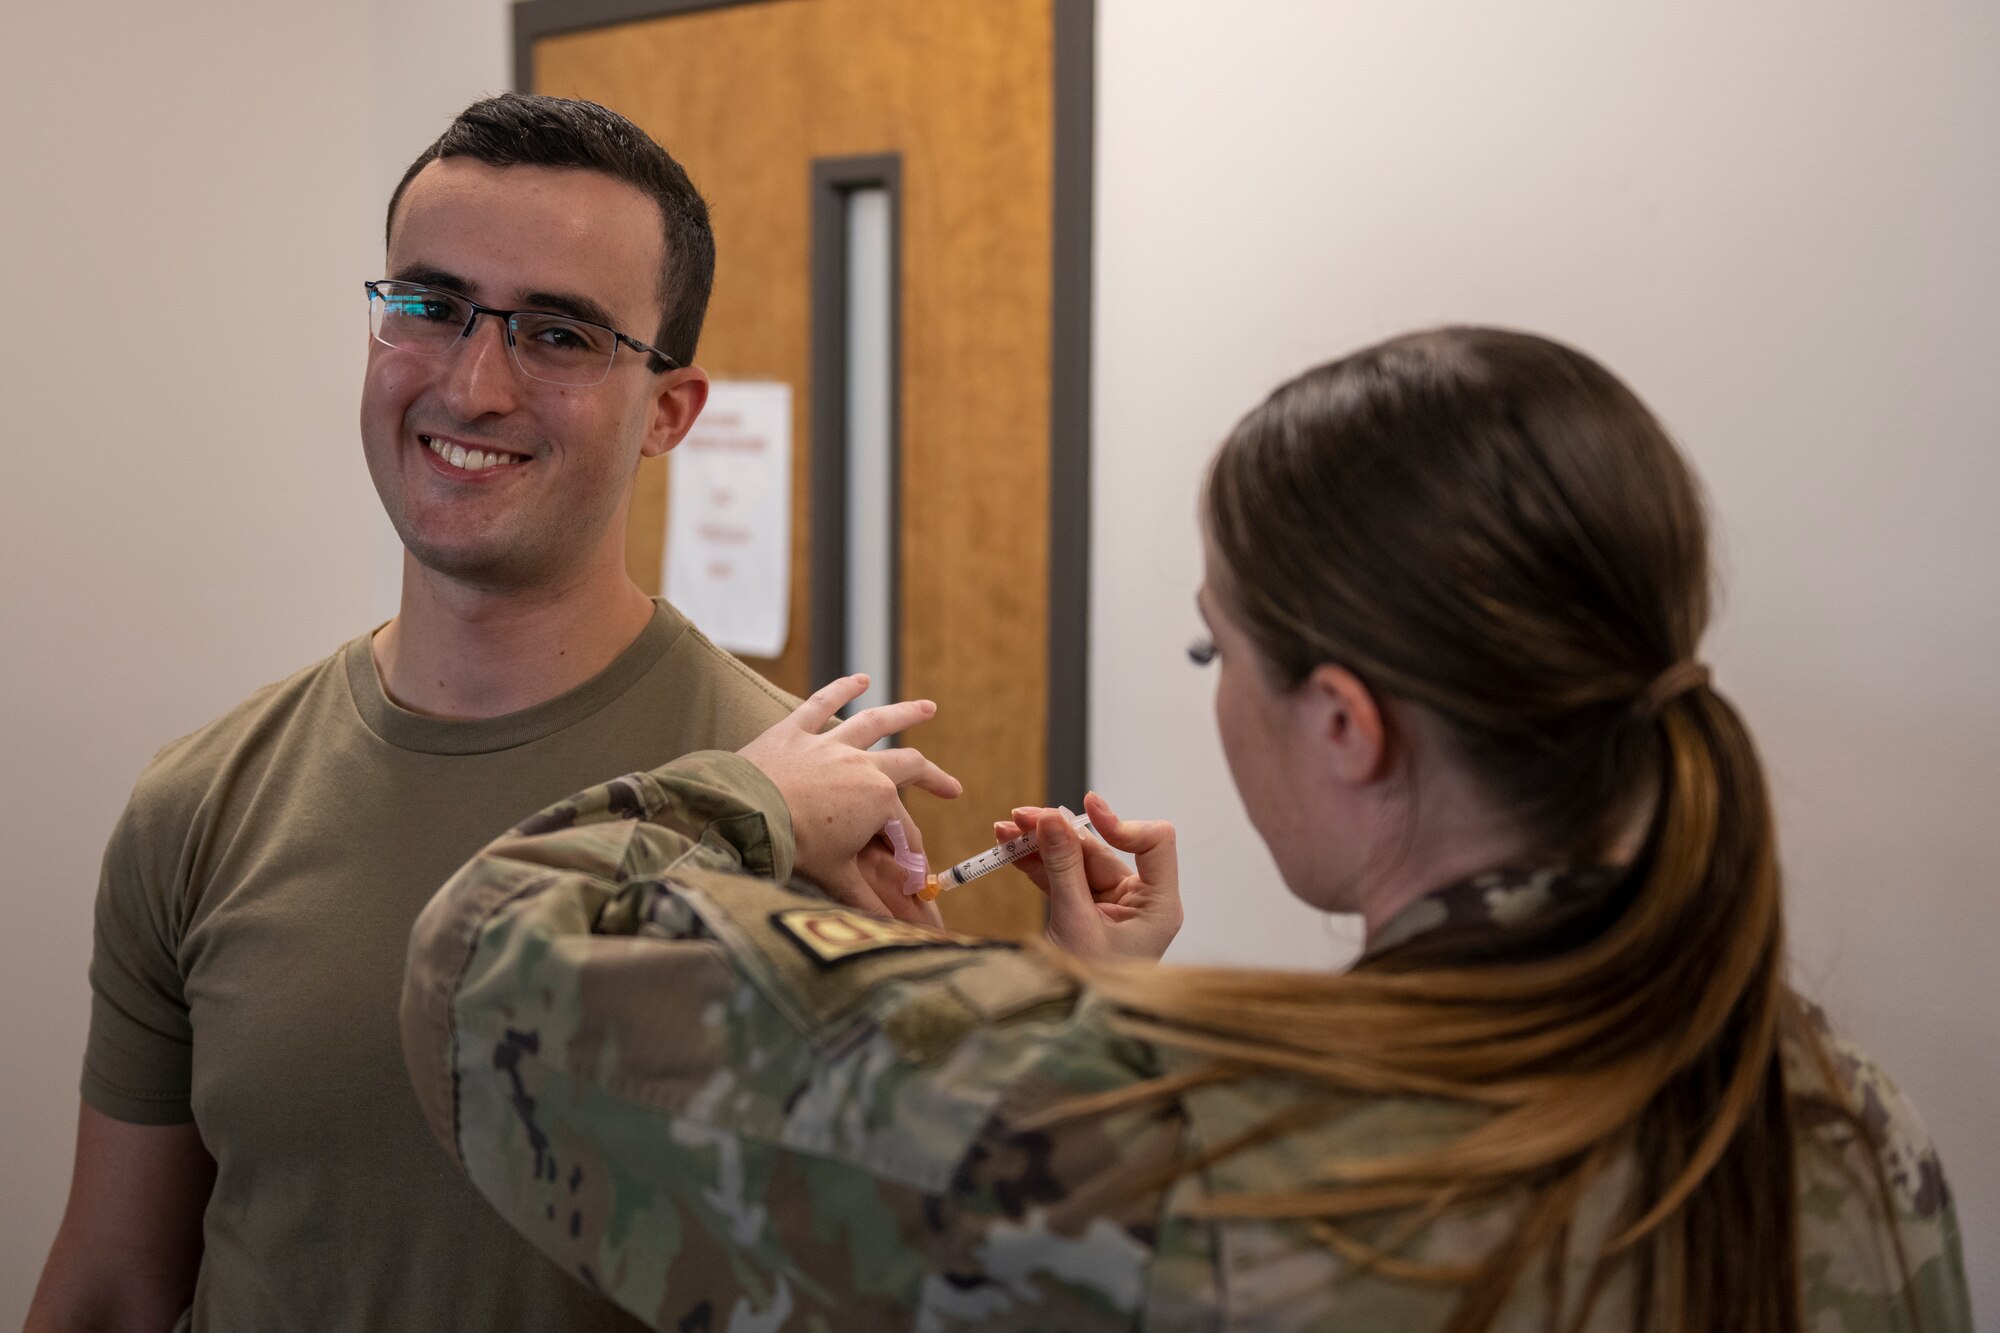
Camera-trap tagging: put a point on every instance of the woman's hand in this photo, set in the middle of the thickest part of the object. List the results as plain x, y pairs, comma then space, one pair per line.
841, 793
1099, 907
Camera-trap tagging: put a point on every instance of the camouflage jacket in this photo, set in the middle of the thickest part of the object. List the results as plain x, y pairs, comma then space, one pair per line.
729, 1105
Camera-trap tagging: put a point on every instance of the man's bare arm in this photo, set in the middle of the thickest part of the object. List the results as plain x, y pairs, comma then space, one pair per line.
129, 1247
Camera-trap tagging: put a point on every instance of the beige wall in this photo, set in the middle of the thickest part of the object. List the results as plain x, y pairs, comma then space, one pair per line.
184, 514
1777, 226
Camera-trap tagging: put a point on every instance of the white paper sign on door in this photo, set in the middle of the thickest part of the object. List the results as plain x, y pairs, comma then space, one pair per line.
729, 518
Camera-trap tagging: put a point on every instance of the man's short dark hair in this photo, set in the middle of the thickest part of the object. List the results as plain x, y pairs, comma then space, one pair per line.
521, 129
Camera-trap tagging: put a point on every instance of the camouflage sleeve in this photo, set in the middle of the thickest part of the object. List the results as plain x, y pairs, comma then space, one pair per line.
729, 1104
1862, 1272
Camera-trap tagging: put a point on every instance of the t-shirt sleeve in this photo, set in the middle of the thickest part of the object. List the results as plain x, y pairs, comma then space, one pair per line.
137, 1063
745, 705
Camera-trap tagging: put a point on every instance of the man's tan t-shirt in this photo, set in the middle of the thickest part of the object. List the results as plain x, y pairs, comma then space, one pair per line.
252, 924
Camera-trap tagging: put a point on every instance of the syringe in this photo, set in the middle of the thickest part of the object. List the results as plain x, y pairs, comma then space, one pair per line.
1006, 854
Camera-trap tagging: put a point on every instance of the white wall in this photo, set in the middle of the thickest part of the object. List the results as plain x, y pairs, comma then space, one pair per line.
1775, 224
1777, 220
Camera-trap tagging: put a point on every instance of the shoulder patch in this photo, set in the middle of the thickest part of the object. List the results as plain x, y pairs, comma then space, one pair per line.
834, 935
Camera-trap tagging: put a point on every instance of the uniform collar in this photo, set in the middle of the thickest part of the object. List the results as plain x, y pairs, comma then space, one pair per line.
1492, 905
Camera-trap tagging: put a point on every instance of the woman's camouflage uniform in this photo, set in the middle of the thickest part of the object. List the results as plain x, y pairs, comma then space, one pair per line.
729, 1105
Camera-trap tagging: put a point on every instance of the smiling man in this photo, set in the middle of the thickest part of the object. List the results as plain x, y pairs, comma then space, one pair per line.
249, 1153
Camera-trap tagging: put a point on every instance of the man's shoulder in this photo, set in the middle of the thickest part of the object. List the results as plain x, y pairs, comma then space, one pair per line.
693, 662
188, 767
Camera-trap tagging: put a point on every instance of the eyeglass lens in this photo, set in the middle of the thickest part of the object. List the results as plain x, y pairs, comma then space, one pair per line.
546, 347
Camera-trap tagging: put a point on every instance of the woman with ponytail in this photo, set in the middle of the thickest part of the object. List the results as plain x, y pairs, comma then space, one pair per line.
1456, 586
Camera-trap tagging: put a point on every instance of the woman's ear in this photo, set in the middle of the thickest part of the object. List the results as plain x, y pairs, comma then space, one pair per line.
1348, 721
677, 401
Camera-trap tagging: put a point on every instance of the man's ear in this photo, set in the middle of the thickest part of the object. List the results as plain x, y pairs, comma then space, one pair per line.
677, 400
1347, 719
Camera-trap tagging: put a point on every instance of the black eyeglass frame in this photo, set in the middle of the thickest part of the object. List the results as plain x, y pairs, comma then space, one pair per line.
506, 318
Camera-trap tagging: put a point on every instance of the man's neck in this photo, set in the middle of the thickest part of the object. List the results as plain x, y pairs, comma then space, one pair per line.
459, 652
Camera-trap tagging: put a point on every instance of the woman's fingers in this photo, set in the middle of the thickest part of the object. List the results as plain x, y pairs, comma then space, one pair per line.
1006, 830
1097, 912
1106, 821
871, 725
1103, 868
909, 768
866, 727
1150, 842
1030, 865
838, 794
886, 880
1072, 913
826, 702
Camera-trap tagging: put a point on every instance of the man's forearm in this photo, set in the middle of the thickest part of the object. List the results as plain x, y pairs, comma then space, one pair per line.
129, 1248
87, 1287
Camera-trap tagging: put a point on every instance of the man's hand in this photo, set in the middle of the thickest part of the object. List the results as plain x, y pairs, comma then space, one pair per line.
1098, 906
841, 793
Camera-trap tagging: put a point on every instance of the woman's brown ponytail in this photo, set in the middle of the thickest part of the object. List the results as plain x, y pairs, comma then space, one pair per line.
1491, 526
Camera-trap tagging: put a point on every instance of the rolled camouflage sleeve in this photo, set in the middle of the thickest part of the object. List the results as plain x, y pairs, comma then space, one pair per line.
541, 886
726, 1103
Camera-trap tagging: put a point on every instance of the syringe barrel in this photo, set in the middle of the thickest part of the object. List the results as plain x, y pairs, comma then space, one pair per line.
1005, 854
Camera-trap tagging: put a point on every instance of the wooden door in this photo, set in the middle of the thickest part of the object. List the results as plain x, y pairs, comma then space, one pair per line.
756, 100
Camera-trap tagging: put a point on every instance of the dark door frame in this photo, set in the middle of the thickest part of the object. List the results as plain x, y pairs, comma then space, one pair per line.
832, 179
1069, 371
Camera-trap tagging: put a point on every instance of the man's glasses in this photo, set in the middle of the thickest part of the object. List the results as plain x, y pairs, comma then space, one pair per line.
554, 349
